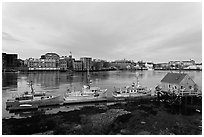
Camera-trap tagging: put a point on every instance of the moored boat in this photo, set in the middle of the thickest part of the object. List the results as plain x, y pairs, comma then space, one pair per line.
135, 90
87, 94
131, 91
32, 100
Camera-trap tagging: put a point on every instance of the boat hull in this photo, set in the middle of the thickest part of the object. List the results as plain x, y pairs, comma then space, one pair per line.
128, 95
12, 105
75, 100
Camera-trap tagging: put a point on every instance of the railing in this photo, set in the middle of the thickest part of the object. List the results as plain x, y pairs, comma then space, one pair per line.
191, 93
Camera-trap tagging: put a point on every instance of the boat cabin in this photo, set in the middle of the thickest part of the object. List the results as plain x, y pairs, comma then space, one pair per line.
24, 97
95, 89
179, 83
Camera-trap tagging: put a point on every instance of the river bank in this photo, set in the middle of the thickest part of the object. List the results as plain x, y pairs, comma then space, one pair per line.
144, 117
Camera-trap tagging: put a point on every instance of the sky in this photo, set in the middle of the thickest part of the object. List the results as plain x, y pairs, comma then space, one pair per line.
158, 32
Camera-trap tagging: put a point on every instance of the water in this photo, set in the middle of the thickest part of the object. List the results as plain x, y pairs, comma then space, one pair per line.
57, 83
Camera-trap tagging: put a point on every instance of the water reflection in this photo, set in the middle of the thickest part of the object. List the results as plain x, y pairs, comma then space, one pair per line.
9, 80
45, 79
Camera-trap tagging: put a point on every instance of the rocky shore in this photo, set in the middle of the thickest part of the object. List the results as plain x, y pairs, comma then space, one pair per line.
146, 117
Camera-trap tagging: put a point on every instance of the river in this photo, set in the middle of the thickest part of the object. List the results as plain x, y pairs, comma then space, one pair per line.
56, 83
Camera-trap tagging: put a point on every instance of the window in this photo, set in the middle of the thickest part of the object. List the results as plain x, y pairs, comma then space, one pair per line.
169, 85
190, 87
175, 87
181, 87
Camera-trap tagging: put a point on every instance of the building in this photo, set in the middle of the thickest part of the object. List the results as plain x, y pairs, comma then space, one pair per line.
9, 62
87, 63
178, 83
188, 63
78, 65
161, 66
51, 56
41, 64
70, 62
66, 63
181, 64
122, 64
63, 64
199, 66
149, 65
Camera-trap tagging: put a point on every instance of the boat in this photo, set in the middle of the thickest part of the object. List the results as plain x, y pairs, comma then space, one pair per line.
135, 90
32, 100
23, 107
131, 91
88, 93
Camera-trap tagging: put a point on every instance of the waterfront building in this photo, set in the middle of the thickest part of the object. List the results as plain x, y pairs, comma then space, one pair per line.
70, 62
63, 64
9, 62
77, 65
87, 63
181, 64
141, 65
189, 63
66, 63
97, 64
161, 66
149, 65
178, 83
51, 56
41, 64
122, 64
199, 66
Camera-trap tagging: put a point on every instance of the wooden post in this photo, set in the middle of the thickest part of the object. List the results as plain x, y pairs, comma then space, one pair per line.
180, 100
192, 97
186, 100
158, 96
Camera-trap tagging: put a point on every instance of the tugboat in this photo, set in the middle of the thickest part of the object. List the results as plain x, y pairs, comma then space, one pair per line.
32, 100
135, 90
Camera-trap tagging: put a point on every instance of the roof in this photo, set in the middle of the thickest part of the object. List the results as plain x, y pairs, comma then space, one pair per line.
174, 78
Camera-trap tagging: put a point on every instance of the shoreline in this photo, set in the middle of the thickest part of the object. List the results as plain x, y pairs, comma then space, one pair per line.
146, 117
28, 71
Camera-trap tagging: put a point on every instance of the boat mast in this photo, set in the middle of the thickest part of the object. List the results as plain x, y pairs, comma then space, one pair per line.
31, 86
137, 75
88, 78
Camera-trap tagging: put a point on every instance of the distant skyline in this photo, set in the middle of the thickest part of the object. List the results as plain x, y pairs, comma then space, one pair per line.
156, 31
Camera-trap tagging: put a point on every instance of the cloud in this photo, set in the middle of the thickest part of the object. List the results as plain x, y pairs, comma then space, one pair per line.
105, 30
6, 36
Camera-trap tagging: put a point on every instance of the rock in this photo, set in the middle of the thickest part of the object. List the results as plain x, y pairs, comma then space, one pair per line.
143, 122
124, 131
143, 133
165, 132
99, 123
77, 127
45, 133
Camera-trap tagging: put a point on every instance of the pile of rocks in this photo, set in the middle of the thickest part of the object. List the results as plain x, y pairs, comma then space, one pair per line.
101, 122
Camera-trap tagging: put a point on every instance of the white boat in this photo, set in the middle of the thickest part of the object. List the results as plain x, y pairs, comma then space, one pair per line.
33, 99
135, 90
87, 94
131, 91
